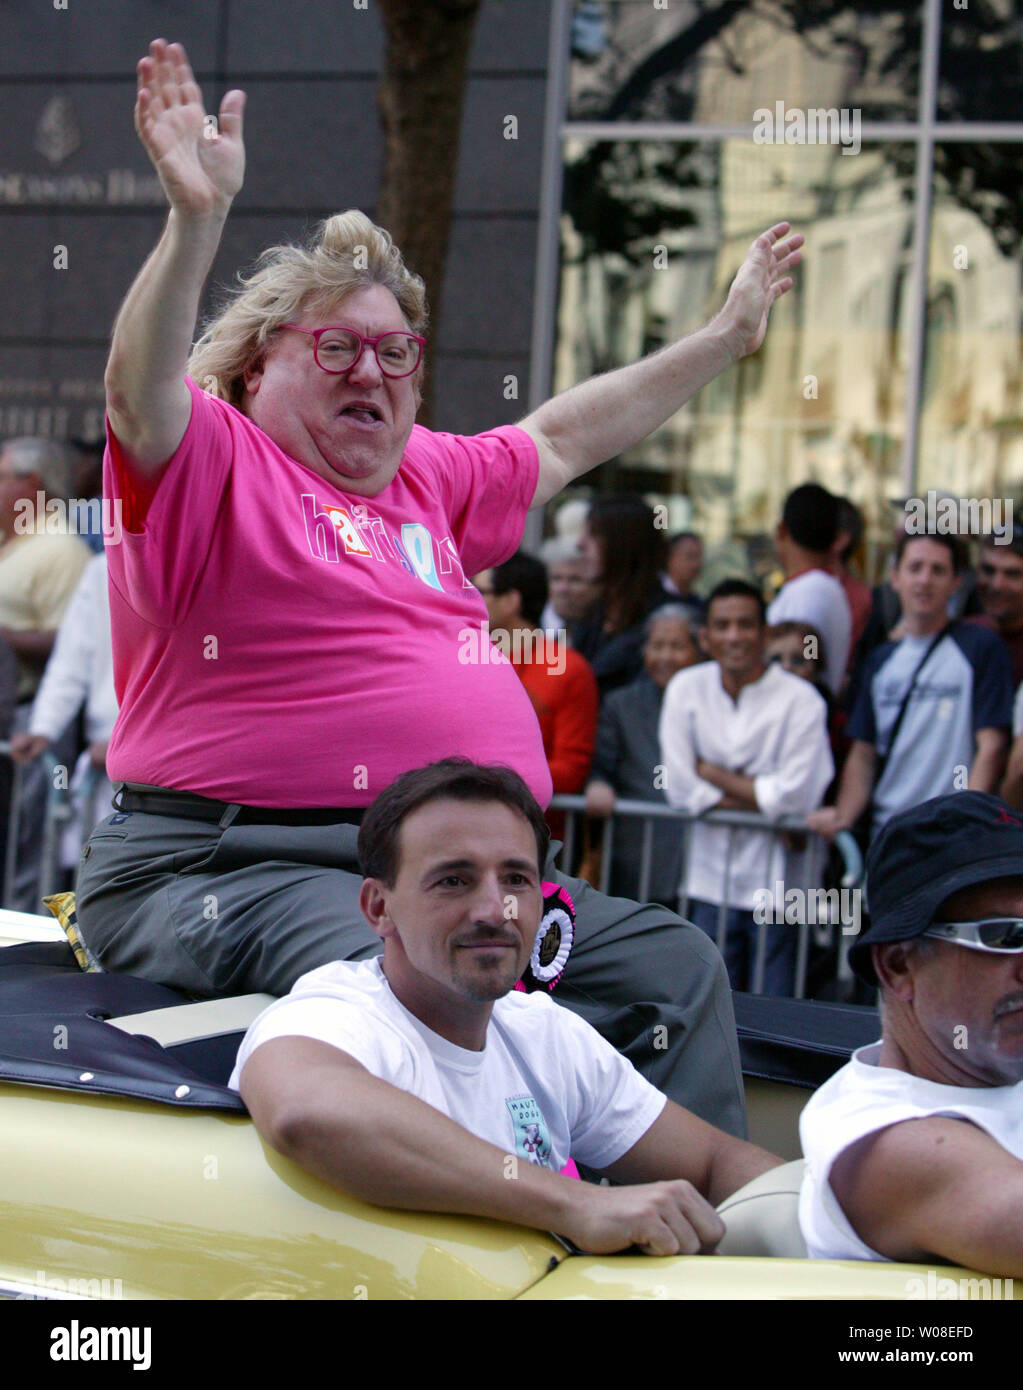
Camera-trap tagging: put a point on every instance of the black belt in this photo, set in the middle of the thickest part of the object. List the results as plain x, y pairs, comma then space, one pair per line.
191, 806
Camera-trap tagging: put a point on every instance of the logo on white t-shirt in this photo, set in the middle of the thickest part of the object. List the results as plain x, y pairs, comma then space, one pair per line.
529, 1128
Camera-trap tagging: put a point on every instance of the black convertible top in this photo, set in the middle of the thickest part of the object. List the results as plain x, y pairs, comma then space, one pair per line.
53, 1033
800, 1041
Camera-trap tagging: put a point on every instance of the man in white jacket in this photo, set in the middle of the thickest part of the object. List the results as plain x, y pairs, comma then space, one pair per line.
739, 734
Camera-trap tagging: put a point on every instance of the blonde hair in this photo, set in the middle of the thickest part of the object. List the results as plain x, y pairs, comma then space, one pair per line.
347, 252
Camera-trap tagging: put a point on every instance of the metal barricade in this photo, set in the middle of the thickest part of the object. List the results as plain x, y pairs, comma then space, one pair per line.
652, 812
11, 850
60, 811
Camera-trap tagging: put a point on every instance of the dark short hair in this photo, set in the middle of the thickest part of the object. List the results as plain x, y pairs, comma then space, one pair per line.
450, 779
850, 520
524, 573
738, 588
1014, 545
951, 543
811, 516
680, 536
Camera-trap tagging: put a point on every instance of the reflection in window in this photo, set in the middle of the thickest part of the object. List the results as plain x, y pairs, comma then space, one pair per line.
981, 62
825, 397
717, 61
828, 395
971, 428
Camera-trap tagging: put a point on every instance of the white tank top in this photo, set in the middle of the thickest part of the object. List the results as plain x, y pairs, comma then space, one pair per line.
864, 1097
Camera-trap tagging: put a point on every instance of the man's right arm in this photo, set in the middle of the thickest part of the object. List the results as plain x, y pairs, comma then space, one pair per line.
1012, 784
936, 1187
684, 788
201, 171
320, 1107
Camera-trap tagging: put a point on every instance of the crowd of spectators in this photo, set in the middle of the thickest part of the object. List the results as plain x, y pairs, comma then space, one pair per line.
57, 704
906, 692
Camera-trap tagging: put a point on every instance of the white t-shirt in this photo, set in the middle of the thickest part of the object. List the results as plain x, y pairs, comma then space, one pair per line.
864, 1097
546, 1086
818, 598
776, 733
81, 666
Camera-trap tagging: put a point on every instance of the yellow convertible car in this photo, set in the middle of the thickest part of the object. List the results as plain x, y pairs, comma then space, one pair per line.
129, 1170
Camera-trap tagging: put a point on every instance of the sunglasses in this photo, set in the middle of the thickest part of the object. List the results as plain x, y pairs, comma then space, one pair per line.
1003, 935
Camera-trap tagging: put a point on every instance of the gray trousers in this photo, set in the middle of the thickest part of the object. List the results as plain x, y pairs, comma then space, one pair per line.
248, 908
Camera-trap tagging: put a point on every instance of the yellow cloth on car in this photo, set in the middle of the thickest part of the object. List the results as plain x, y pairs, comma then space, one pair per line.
62, 905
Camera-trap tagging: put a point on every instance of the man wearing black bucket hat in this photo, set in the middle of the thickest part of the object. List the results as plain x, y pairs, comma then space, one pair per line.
893, 1172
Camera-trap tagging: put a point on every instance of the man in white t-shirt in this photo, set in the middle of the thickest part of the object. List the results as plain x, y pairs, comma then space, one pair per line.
811, 593
418, 1080
915, 1148
933, 708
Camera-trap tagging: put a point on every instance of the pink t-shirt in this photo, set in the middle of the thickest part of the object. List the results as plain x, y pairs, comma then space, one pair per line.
278, 642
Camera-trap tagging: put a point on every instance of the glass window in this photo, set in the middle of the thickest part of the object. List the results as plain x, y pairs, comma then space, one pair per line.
653, 233
717, 63
981, 62
971, 426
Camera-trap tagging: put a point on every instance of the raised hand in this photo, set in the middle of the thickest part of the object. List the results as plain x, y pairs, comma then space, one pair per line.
201, 168
761, 280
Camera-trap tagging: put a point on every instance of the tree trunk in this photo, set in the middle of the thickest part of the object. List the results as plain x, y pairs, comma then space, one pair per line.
420, 99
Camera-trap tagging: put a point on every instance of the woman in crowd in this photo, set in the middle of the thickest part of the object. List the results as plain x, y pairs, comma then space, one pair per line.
628, 754
625, 552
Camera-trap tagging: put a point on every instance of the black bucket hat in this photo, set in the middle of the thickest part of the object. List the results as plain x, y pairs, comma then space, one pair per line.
924, 855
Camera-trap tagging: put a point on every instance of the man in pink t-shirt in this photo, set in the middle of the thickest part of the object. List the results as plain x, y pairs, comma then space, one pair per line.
288, 599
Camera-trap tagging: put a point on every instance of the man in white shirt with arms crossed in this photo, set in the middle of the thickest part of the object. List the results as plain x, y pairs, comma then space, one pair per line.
739, 734
409, 1080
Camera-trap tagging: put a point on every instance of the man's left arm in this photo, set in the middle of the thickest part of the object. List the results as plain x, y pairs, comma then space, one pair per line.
602, 417
993, 698
680, 1145
988, 761
804, 765
740, 794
